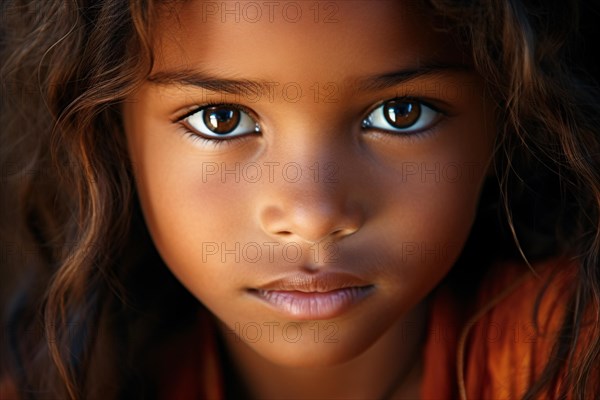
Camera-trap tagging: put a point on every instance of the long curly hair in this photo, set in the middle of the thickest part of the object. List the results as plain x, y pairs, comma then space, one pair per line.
84, 292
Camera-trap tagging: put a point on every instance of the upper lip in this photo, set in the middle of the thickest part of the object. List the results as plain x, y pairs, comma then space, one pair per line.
320, 282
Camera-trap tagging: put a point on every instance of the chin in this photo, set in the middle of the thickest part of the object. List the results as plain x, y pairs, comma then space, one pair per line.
308, 352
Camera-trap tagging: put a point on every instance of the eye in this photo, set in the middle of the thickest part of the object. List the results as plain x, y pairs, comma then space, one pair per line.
221, 121
402, 115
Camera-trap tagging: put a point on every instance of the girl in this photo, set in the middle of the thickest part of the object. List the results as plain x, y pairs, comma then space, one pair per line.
374, 200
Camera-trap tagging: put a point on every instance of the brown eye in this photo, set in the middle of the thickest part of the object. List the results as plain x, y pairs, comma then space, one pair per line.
221, 119
221, 122
401, 114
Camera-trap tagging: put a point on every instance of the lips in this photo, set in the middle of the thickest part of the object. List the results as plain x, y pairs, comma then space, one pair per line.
313, 297
325, 282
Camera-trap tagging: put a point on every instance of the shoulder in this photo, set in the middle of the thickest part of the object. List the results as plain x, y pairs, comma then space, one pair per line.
505, 345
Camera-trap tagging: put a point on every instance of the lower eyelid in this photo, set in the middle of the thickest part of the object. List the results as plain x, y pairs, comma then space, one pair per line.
204, 141
208, 142
387, 135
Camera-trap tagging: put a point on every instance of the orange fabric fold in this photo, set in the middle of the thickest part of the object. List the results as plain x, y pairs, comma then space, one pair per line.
504, 348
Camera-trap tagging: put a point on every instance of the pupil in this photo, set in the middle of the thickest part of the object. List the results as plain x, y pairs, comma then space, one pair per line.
221, 119
401, 114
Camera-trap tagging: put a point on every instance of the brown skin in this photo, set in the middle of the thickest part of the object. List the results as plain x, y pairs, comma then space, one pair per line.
374, 217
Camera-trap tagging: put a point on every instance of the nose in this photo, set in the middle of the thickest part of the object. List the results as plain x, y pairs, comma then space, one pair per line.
310, 210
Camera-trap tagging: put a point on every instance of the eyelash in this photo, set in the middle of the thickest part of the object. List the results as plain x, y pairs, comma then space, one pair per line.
386, 135
413, 136
195, 137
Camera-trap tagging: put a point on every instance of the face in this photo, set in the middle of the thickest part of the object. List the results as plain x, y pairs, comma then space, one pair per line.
329, 145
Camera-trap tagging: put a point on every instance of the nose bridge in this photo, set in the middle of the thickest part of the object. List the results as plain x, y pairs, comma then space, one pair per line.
312, 197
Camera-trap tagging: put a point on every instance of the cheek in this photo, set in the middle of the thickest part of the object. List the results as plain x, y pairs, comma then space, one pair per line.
185, 213
440, 221
425, 232
192, 226
431, 200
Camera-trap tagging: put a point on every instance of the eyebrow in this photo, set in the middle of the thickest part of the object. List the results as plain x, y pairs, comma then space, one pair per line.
189, 77
395, 78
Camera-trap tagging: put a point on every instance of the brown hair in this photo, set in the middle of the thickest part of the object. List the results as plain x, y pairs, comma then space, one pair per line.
548, 159
73, 237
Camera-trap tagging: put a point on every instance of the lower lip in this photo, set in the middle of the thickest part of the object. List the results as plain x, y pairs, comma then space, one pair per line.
313, 305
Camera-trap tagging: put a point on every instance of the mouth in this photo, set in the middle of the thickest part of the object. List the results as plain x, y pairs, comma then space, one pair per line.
313, 297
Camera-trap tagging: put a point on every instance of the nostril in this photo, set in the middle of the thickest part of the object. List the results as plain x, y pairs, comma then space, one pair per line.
343, 232
284, 233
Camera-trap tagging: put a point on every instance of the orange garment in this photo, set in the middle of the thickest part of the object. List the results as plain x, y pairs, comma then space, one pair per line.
498, 353
497, 347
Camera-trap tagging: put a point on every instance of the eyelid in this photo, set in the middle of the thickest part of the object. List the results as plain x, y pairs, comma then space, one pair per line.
433, 104
196, 134
411, 132
196, 108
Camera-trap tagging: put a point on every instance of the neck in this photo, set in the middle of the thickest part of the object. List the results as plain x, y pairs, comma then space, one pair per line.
389, 369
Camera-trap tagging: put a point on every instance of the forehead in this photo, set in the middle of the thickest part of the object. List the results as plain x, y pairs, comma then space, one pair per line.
299, 40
